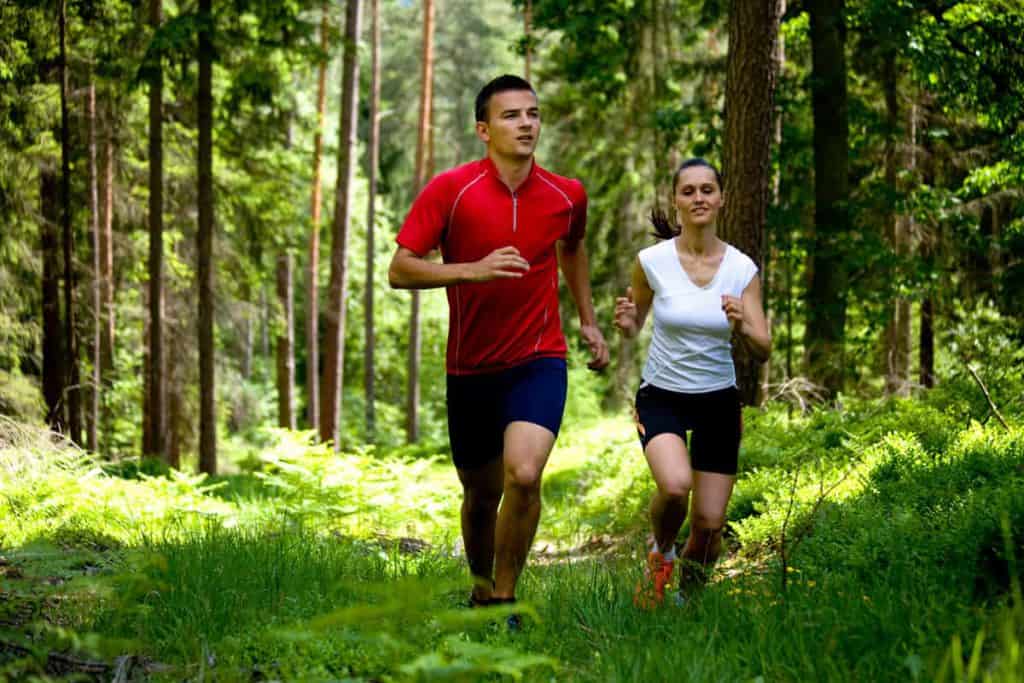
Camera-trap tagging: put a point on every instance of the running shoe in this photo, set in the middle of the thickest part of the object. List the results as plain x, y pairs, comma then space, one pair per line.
693, 576
650, 590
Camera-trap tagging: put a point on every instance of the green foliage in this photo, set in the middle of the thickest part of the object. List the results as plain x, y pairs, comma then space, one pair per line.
898, 509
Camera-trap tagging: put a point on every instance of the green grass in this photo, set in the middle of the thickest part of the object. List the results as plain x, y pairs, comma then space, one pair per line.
903, 524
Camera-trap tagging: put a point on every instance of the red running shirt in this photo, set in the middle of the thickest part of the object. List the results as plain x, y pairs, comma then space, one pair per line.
469, 212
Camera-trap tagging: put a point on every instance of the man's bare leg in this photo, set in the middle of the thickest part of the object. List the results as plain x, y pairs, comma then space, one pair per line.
481, 494
527, 447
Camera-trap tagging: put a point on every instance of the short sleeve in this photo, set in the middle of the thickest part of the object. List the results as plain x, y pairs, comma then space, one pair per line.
424, 225
747, 271
578, 225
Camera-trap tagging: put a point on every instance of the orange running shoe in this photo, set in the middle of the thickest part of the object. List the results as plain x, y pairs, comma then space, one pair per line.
650, 590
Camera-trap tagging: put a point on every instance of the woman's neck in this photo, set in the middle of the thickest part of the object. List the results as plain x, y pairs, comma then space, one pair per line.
698, 240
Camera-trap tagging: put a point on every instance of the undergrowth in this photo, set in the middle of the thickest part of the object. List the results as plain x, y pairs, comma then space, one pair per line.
880, 541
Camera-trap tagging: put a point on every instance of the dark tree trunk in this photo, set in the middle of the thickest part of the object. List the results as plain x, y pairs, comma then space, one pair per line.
892, 119
155, 384
331, 387
53, 335
207, 403
373, 154
285, 345
772, 264
828, 278
412, 405
751, 73
313, 272
72, 386
97, 277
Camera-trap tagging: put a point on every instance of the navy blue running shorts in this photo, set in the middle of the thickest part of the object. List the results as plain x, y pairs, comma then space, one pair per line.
713, 419
480, 407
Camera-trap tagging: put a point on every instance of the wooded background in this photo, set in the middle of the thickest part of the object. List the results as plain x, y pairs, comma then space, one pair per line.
198, 200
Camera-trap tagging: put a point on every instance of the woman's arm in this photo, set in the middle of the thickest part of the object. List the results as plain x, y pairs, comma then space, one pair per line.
631, 310
750, 327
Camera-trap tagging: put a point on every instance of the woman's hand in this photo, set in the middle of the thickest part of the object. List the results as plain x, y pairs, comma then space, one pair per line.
626, 314
733, 308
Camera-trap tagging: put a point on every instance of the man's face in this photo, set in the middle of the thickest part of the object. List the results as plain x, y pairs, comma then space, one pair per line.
513, 124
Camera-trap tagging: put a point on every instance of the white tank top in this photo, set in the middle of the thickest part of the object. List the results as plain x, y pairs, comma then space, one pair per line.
690, 349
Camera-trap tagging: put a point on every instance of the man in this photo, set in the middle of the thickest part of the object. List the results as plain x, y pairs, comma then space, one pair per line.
504, 226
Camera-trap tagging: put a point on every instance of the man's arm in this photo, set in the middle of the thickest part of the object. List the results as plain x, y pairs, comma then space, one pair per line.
408, 270
572, 257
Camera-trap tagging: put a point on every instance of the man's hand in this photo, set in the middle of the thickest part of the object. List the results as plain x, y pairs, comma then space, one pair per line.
599, 356
503, 263
625, 313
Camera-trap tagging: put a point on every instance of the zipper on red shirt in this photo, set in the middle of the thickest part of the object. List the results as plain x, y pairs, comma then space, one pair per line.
515, 213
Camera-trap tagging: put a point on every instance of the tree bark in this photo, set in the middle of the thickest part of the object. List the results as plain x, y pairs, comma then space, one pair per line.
751, 73
107, 249
330, 405
770, 272
285, 345
155, 384
49, 244
903, 238
926, 343
527, 32
828, 278
313, 272
72, 385
373, 154
207, 388
412, 420
97, 277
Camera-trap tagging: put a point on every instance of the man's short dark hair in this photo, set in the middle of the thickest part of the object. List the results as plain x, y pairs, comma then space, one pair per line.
499, 84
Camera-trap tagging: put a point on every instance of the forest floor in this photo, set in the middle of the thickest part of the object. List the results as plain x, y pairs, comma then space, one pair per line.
880, 542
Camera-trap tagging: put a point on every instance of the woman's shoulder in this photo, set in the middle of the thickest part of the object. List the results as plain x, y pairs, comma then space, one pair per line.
659, 247
737, 256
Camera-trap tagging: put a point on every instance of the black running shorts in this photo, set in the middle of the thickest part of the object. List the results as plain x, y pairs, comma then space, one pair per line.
713, 419
480, 407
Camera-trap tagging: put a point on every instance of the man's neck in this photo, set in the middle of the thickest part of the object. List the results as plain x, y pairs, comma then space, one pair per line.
512, 171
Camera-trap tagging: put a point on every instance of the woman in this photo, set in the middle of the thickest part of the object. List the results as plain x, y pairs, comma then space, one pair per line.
706, 296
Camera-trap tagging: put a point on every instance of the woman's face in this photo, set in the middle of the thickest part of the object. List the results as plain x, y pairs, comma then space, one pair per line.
698, 196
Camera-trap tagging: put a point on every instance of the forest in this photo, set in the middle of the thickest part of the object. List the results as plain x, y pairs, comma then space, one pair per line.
224, 451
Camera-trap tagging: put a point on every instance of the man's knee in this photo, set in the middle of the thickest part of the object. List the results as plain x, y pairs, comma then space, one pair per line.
481, 498
524, 476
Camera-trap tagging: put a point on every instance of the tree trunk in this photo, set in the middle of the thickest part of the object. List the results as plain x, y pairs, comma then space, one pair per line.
926, 343
52, 342
312, 274
527, 32
901, 322
207, 404
330, 405
749, 91
285, 345
826, 294
97, 276
412, 423
107, 251
155, 385
892, 118
72, 386
771, 266
373, 155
